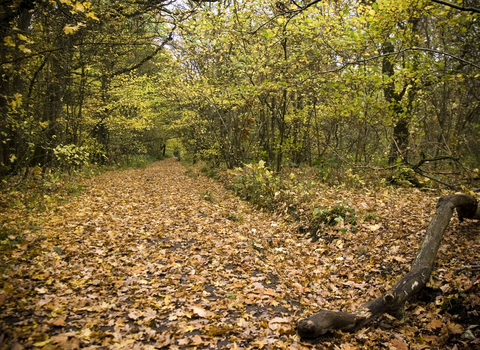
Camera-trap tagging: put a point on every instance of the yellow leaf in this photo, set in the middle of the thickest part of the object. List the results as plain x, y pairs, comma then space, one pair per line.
78, 6
92, 16
9, 41
41, 344
22, 37
85, 333
68, 29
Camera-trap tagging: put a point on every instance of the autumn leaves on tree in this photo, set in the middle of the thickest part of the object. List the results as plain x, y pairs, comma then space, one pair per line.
320, 83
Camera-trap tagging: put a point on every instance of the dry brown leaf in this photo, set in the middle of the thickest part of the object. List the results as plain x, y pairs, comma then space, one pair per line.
59, 322
16, 346
434, 324
454, 328
183, 341
163, 340
200, 312
399, 344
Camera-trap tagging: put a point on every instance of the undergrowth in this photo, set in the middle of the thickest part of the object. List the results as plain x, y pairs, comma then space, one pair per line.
296, 194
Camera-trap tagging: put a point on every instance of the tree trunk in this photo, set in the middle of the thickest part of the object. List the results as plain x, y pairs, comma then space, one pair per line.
393, 301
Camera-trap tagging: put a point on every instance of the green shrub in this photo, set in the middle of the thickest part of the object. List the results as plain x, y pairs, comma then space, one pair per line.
136, 161
209, 170
256, 184
330, 217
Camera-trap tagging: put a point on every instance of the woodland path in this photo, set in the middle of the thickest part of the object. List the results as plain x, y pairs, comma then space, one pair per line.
152, 258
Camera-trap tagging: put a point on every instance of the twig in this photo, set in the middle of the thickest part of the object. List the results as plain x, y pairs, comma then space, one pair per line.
457, 7
413, 48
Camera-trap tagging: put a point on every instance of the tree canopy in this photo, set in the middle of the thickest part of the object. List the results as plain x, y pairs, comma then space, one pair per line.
322, 83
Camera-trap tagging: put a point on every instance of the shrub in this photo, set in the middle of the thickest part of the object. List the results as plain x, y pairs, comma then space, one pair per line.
322, 217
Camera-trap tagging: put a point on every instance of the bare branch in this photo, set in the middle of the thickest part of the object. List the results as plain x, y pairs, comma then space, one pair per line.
457, 7
413, 48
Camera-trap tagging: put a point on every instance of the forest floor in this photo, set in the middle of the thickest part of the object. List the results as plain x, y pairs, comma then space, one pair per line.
152, 258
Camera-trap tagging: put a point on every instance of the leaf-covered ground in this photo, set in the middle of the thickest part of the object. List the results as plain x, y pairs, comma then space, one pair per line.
152, 258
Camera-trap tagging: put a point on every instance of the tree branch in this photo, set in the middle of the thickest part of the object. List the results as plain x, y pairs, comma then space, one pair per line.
393, 301
457, 7
413, 48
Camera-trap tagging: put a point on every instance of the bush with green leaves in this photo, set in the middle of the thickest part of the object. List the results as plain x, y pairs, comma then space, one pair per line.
259, 185
71, 155
328, 218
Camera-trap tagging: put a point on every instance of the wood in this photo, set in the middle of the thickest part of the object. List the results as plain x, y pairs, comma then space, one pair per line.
393, 301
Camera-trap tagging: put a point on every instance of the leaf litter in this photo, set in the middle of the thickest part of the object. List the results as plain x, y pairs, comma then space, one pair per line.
144, 259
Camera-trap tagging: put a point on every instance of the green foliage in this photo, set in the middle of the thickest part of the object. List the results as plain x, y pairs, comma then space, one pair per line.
190, 172
259, 185
337, 218
71, 156
208, 196
136, 161
325, 87
233, 217
210, 170
334, 215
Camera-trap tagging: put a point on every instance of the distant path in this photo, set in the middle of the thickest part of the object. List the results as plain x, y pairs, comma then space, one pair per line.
151, 257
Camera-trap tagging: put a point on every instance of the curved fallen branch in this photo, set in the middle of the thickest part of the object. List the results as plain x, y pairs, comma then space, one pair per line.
393, 301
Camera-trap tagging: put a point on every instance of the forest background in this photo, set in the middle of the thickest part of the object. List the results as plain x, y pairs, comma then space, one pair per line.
343, 86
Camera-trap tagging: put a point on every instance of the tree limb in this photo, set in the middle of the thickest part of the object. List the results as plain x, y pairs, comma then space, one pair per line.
393, 301
413, 48
457, 7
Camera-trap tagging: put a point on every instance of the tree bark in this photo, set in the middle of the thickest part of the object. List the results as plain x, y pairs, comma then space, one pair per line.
393, 301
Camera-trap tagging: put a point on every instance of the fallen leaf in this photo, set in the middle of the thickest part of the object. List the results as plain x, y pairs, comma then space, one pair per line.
200, 312
59, 322
164, 340
454, 328
434, 324
149, 314
135, 314
183, 341
399, 344
197, 340
16, 346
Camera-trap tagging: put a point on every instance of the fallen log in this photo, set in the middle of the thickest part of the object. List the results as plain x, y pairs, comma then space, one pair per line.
393, 301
